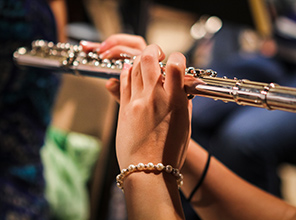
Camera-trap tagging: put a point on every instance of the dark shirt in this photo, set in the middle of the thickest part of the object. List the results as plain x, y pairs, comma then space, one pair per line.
26, 98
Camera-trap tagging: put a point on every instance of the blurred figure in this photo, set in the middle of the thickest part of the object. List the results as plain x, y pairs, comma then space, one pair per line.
252, 142
26, 97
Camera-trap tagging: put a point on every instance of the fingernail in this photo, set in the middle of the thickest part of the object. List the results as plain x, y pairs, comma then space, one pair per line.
126, 66
159, 53
83, 42
104, 55
103, 44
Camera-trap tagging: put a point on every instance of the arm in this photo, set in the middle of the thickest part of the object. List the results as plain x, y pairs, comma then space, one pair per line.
223, 195
59, 10
153, 126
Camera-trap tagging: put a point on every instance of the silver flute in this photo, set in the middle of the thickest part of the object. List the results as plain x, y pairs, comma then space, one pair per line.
68, 58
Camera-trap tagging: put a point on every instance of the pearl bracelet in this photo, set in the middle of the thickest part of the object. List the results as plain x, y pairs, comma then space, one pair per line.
149, 167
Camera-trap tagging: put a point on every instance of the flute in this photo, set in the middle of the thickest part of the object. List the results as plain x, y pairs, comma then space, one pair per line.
67, 58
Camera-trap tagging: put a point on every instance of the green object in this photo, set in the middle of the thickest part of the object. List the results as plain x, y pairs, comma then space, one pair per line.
68, 160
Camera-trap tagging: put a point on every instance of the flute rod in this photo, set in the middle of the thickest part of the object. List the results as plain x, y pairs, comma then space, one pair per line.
198, 82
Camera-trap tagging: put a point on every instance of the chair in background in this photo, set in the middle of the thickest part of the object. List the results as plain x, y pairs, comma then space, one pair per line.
84, 105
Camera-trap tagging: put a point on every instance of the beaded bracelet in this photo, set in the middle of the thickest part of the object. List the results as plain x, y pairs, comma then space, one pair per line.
149, 167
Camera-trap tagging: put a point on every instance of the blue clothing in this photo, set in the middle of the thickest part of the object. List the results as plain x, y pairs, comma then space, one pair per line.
26, 98
251, 141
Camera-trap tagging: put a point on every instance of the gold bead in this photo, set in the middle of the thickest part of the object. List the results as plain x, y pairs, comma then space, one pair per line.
168, 168
176, 172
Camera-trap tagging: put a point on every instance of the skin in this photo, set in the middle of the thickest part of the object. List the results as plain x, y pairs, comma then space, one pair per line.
223, 195
59, 10
147, 131
113, 46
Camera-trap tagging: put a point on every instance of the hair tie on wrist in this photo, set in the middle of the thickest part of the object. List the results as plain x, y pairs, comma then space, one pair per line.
202, 177
149, 167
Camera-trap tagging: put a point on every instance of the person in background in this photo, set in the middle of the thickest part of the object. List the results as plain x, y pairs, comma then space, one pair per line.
251, 141
26, 98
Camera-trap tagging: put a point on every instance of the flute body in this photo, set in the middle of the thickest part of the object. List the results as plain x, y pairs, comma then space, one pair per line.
67, 58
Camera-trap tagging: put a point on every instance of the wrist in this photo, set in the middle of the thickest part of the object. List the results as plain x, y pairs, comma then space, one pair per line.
149, 168
152, 196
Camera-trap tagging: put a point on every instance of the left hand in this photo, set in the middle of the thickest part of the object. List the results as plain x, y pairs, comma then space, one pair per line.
115, 45
112, 48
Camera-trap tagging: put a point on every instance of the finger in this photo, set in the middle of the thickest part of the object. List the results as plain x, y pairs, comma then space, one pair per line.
136, 77
89, 46
150, 65
113, 86
117, 52
133, 41
190, 83
175, 71
125, 83
190, 110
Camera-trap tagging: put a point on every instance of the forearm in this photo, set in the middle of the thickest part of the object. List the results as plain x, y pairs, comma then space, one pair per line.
59, 10
152, 196
223, 195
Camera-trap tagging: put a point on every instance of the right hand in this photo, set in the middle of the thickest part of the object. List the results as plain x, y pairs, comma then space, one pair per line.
154, 115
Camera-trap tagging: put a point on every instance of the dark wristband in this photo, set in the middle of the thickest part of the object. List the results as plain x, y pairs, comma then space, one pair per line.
202, 177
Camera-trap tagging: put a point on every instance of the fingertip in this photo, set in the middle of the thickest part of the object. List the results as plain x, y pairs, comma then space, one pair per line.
110, 83
104, 55
113, 86
177, 62
84, 45
161, 54
104, 47
126, 66
89, 46
175, 72
83, 42
178, 59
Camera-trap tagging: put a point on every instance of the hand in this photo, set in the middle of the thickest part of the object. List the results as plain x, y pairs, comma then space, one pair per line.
154, 116
131, 45
115, 45
112, 48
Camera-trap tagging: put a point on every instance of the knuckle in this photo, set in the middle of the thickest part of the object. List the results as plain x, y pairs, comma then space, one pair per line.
147, 58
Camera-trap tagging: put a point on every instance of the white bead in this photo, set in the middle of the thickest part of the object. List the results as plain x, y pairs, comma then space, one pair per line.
150, 166
124, 171
119, 176
119, 185
131, 167
141, 166
160, 166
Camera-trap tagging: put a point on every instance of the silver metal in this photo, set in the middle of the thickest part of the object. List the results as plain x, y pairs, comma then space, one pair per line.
68, 58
